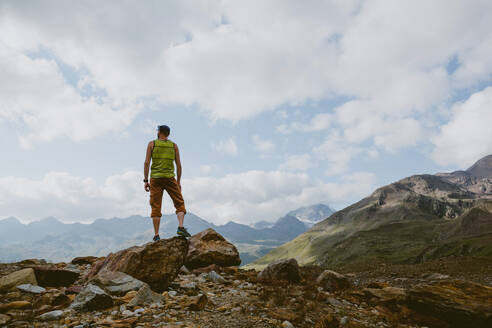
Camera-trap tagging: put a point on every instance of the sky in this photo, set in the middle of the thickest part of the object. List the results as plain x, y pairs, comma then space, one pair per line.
273, 104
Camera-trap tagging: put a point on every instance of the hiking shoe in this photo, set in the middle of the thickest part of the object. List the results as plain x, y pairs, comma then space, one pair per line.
183, 232
156, 238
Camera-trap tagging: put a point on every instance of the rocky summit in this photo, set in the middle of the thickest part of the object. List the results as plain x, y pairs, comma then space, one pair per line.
155, 263
284, 294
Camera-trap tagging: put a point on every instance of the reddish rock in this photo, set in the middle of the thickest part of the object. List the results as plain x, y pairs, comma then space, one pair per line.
156, 263
285, 269
209, 247
73, 289
55, 277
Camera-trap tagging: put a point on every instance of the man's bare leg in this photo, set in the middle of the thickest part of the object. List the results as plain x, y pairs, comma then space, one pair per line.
180, 216
157, 221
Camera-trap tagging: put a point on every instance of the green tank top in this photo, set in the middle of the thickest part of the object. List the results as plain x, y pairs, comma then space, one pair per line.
162, 159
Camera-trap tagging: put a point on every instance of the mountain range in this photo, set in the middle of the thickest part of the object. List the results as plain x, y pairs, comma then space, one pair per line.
54, 240
417, 219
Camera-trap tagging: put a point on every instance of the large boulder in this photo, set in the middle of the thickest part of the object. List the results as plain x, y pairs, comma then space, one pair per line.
24, 276
116, 283
55, 277
156, 263
453, 303
90, 298
284, 269
209, 247
333, 281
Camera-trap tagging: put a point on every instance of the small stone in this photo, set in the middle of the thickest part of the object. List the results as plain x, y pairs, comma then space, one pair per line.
50, 316
4, 319
31, 288
343, 320
184, 270
146, 296
437, 276
172, 293
15, 305
287, 324
127, 313
189, 285
215, 277
197, 303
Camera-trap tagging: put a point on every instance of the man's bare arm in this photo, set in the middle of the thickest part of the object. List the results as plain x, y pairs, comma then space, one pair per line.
178, 164
148, 157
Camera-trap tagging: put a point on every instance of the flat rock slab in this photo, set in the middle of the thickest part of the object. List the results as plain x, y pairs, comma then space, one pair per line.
116, 283
50, 316
209, 247
90, 298
155, 263
54, 277
31, 288
24, 276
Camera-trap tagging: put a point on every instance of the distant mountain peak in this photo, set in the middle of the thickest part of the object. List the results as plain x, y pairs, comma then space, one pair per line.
312, 214
482, 168
11, 220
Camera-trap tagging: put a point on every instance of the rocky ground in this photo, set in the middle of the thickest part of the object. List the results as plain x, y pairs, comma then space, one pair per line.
96, 292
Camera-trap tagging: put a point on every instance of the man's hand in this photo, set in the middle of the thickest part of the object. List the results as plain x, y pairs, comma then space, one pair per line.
147, 187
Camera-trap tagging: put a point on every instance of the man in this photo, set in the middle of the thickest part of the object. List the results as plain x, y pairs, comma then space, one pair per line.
164, 153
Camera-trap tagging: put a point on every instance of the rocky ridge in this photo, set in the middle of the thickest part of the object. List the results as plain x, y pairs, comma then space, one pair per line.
417, 219
283, 295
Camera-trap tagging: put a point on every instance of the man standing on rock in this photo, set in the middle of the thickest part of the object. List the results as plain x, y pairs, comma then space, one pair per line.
164, 153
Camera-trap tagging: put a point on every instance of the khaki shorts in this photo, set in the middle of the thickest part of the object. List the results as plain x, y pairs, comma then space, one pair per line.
157, 186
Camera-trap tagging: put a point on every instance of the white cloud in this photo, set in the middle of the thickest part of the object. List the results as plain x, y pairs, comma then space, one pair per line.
335, 154
206, 169
319, 122
301, 162
35, 95
73, 198
227, 146
245, 197
249, 196
468, 135
234, 60
262, 145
